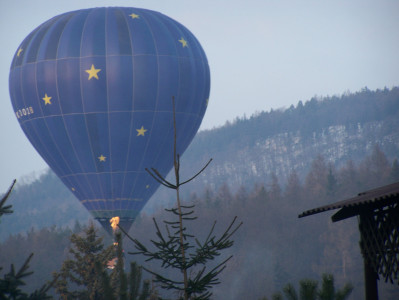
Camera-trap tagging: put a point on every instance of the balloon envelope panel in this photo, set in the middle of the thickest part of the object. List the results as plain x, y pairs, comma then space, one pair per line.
92, 90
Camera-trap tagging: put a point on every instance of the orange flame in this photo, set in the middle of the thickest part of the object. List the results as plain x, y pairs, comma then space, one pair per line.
114, 223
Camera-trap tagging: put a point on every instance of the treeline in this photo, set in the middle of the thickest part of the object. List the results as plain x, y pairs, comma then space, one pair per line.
340, 128
245, 151
349, 109
275, 247
272, 248
42, 203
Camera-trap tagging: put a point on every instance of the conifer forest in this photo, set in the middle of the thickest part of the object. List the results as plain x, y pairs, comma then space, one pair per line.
273, 254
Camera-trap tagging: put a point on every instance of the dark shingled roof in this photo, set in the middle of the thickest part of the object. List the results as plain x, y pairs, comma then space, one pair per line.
371, 199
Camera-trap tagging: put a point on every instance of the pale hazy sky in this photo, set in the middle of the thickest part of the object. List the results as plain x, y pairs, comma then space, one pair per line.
262, 54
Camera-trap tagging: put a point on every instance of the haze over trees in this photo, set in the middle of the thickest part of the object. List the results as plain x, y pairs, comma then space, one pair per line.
340, 128
272, 248
267, 169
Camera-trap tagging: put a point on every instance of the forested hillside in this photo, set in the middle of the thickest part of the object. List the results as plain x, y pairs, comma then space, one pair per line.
272, 248
266, 169
44, 202
341, 129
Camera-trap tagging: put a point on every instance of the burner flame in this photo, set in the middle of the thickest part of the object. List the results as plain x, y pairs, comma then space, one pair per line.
114, 223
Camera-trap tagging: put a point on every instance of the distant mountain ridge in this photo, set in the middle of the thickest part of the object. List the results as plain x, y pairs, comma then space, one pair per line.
281, 141
245, 152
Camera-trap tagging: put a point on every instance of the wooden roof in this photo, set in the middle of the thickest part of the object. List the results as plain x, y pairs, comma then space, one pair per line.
365, 201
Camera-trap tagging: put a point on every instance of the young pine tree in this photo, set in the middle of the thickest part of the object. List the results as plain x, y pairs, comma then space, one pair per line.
96, 272
80, 277
308, 290
181, 250
11, 283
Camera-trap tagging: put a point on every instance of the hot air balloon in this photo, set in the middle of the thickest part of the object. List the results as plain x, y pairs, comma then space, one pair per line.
92, 90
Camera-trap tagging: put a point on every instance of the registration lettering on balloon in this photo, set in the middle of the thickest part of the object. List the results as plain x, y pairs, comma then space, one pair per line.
92, 90
26, 111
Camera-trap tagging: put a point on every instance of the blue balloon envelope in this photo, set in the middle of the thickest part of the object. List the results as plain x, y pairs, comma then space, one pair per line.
92, 90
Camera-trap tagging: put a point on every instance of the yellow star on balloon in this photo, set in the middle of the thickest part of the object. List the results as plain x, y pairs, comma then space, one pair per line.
102, 158
46, 99
183, 42
134, 16
93, 72
141, 131
19, 51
